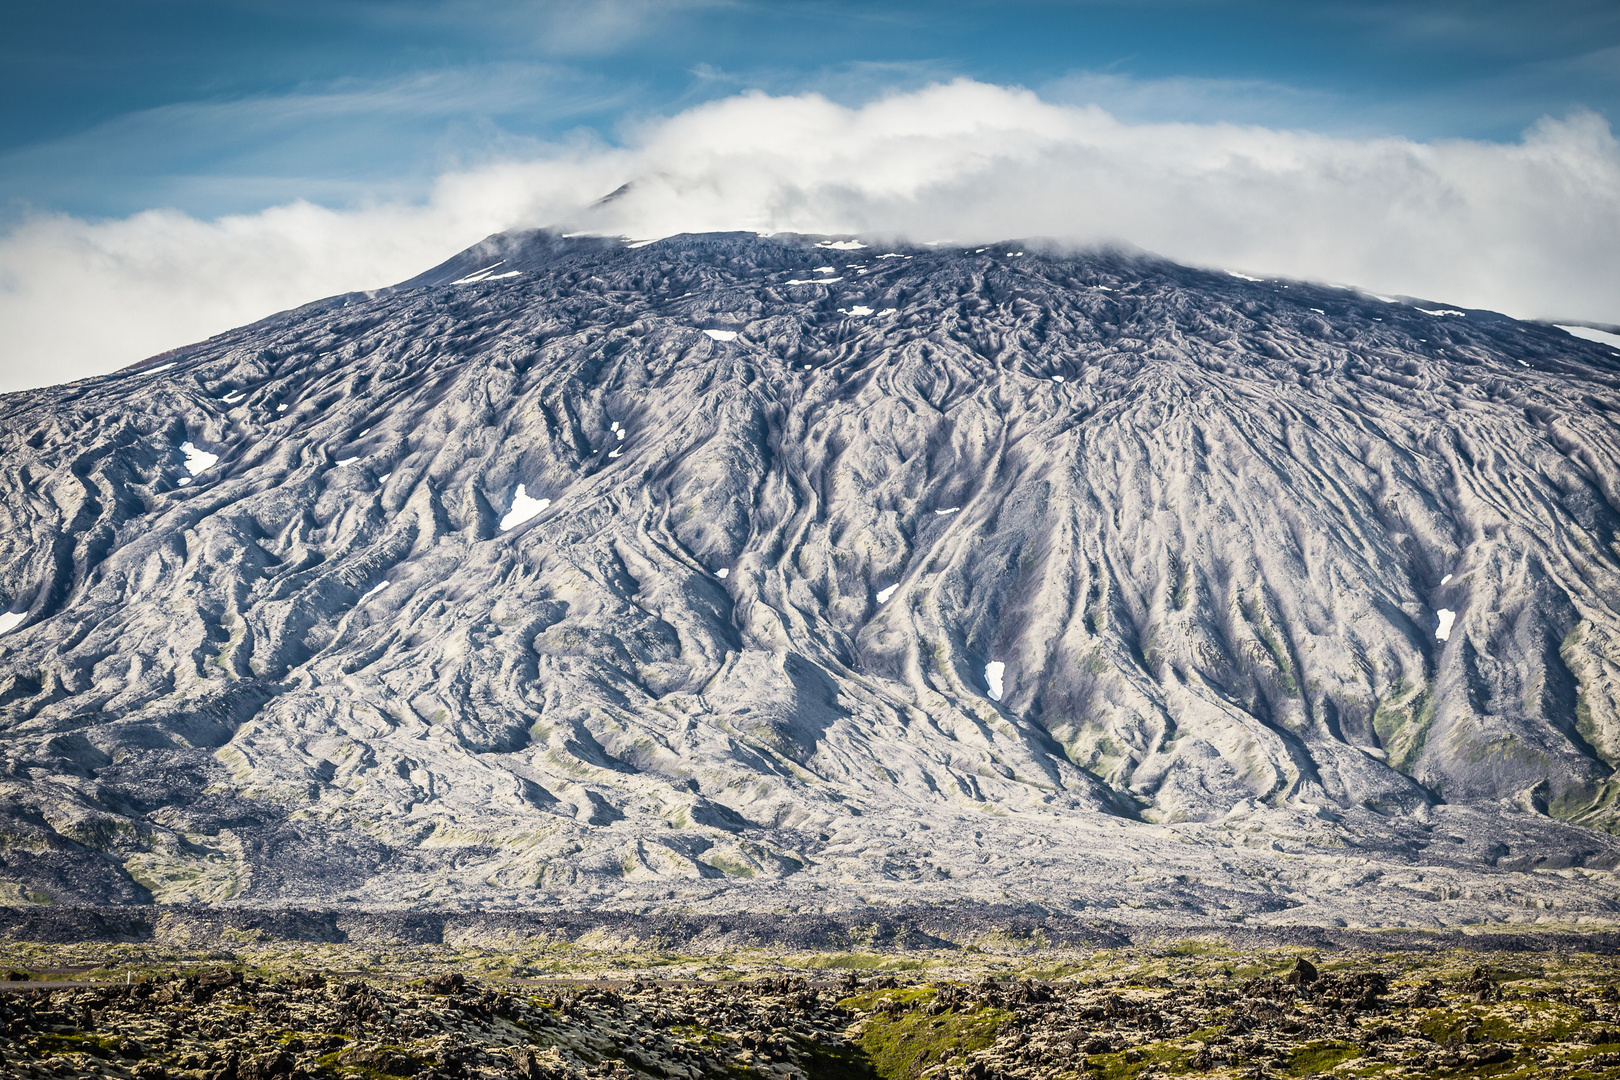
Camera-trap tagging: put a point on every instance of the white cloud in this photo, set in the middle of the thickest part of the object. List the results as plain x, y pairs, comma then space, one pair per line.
1529, 228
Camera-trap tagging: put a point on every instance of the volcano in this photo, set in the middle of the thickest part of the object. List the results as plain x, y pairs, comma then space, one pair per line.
790, 573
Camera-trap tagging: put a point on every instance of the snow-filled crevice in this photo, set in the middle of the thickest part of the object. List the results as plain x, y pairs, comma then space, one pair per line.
523, 508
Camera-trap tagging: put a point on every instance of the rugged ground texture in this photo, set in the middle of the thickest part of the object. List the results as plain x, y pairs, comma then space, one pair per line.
1197, 1007
763, 573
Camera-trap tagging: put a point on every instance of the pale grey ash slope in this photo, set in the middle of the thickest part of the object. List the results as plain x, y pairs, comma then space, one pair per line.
1207, 525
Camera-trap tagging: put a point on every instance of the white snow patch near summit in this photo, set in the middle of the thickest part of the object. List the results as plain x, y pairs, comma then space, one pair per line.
1447, 616
722, 335
1244, 277
1443, 311
884, 593
857, 310
841, 245
10, 620
523, 508
197, 460
993, 671
477, 275
1602, 337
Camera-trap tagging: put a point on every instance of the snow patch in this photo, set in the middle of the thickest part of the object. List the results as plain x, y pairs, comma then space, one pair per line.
197, 460
993, 671
281, 408
812, 281
884, 593
477, 275
1243, 277
620, 434
1057, 378
160, 367
826, 270
1445, 579
947, 510
233, 397
1447, 616
723, 573
615, 453
10, 621
857, 310
1602, 337
344, 461
894, 255
383, 479
523, 508
841, 245
1442, 311
377, 588
722, 335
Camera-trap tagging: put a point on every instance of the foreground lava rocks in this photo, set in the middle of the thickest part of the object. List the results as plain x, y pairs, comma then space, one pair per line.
1354, 1020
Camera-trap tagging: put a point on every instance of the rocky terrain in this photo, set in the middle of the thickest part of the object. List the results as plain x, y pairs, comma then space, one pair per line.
792, 574
1197, 1008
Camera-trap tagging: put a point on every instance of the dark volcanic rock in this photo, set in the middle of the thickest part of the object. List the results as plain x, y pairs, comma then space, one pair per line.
745, 569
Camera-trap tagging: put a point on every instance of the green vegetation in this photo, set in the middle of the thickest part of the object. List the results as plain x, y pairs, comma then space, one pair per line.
903, 1038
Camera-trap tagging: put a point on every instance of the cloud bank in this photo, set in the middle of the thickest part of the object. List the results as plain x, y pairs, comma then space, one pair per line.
1530, 228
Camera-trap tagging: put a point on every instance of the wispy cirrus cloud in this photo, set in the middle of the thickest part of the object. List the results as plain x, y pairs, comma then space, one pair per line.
1528, 227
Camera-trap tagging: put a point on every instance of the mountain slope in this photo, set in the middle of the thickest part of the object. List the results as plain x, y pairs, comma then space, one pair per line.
761, 568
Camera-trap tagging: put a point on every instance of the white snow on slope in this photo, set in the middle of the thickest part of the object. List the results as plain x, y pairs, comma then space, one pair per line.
993, 671
857, 310
1445, 579
808, 281
884, 593
722, 335
947, 510
523, 508
160, 367
1602, 337
197, 460
10, 620
1443, 631
343, 461
1244, 277
826, 269
1443, 311
476, 275
383, 479
377, 588
841, 245
723, 573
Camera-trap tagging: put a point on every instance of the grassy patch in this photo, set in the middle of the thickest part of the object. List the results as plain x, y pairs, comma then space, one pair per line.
903, 1045
1316, 1057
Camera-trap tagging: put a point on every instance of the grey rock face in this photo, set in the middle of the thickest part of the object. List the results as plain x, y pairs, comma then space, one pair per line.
764, 571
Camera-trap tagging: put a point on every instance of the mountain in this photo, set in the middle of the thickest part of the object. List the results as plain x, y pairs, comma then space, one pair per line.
791, 573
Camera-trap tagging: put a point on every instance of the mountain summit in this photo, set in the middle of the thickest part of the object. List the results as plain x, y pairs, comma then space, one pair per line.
786, 572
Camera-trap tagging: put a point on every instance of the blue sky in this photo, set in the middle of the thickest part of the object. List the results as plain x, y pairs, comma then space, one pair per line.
108, 107
181, 167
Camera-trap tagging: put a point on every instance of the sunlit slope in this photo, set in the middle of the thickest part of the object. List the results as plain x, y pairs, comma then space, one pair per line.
572, 569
